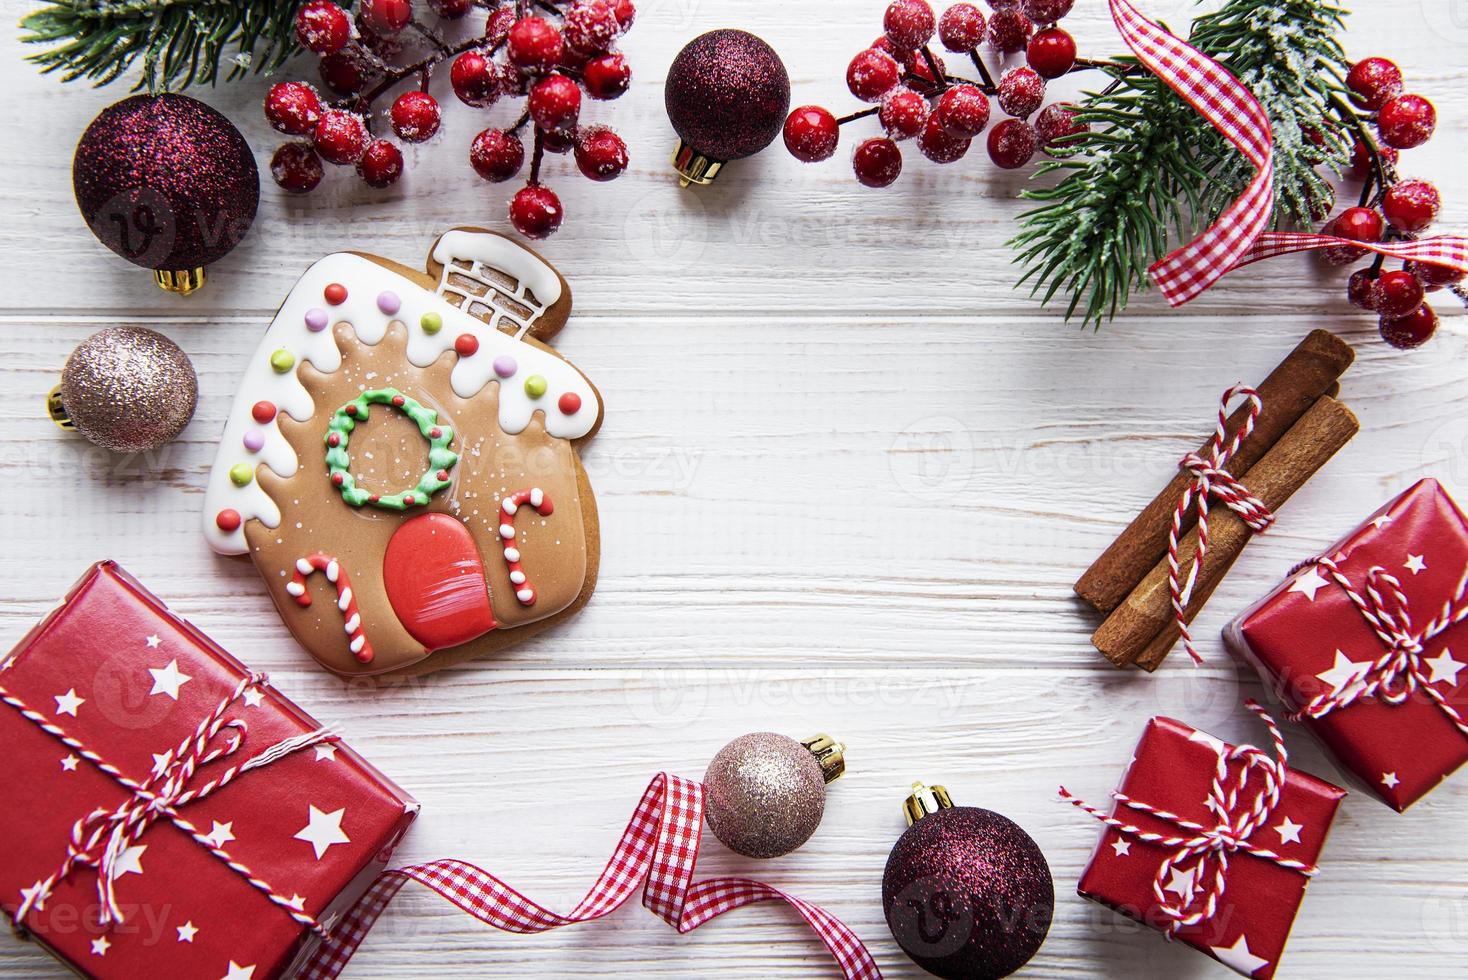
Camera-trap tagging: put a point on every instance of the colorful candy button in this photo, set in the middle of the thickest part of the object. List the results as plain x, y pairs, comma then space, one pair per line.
570, 403
227, 520
336, 294
316, 319
505, 366
282, 360
535, 386
240, 474
388, 302
467, 345
254, 440
431, 323
263, 412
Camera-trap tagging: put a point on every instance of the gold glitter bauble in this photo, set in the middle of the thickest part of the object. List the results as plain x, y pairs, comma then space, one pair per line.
764, 795
128, 389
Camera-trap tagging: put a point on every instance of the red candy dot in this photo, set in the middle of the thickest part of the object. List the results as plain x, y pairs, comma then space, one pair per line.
333, 440
467, 345
228, 520
570, 403
351, 409
263, 412
435, 432
338, 479
443, 474
397, 401
408, 500
373, 499
336, 294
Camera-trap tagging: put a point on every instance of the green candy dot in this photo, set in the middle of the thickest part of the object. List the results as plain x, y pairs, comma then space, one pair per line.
282, 360
431, 323
241, 474
535, 386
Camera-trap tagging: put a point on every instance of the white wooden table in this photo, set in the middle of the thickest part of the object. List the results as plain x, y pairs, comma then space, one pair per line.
846, 479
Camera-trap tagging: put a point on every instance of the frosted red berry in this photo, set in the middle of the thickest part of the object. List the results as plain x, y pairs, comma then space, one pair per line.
1411, 205
1410, 331
590, 26
1056, 124
1359, 289
535, 211
811, 133
1051, 52
340, 137
1434, 277
558, 140
1374, 82
872, 74
962, 112
1046, 11
606, 77
475, 79
385, 16
451, 9
1361, 159
1406, 121
1397, 293
496, 155
555, 102
1012, 143
909, 24
296, 167
961, 28
322, 27
938, 144
293, 108
534, 44
415, 116
381, 164
600, 153
903, 114
1021, 91
497, 27
877, 162
1010, 30
626, 12
1357, 225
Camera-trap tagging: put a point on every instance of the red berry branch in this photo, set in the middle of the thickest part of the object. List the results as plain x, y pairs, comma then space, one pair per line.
549, 57
916, 96
1389, 208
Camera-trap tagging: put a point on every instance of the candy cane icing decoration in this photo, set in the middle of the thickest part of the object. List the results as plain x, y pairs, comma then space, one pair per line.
511, 505
346, 599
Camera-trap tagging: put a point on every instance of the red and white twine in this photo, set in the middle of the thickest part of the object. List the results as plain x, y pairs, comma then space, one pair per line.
1211, 481
346, 599
657, 852
535, 497
1241, 808
101, 838
1239, 236
1399, 672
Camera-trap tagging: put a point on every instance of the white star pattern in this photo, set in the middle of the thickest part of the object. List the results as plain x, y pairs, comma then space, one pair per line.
1390, 780
162, 762
100, 945
1309, 583
66, 704
1239, 957
325, 750
1382, 521
167, 680
1289, 831
323, 830
253, 697
69, 763
1216, 744
36, 892
220, 834
1121, 847
154, 641
296, 902
1445, 668
237, 972
1181, 883
187, 932
1343, 672
130, 861
1415, 564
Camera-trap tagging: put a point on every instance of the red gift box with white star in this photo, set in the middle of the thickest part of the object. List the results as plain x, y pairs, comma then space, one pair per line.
1211, 843
1360, 644
168, 812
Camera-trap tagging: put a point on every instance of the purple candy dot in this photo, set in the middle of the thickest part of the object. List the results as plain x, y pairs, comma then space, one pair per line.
316, 320
388, 302
505, 366
254, 440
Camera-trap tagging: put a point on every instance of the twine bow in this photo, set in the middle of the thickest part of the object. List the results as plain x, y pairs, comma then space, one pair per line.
1399, 671
1211, 481
101, 838
1242, 806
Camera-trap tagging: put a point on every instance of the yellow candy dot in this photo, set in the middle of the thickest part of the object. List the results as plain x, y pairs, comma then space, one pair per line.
431, 323
241, 474
282, 360
535, 386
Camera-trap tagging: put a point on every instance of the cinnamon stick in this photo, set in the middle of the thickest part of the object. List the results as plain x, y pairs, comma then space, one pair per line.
1144, 623
1311, 370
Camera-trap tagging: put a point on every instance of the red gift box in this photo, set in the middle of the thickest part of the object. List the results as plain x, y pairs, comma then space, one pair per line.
1359, 645
1211, 843
152, 778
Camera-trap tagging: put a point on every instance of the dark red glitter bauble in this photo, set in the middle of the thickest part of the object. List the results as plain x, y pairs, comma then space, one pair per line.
727, 94
166, 182
967, 894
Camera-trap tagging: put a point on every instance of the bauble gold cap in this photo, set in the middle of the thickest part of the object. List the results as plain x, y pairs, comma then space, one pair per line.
181, 281
924, 801
829, 753
693, 167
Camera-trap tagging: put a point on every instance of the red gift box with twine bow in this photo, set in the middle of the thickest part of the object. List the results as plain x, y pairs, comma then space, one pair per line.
1212, 844
168, 813
1359, 645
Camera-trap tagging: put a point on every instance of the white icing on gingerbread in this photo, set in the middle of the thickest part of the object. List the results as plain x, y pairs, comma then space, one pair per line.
482, 252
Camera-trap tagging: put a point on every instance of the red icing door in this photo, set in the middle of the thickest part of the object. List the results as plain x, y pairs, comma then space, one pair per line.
435, 582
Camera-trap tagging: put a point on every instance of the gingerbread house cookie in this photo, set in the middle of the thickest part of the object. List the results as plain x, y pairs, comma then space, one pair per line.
401, 460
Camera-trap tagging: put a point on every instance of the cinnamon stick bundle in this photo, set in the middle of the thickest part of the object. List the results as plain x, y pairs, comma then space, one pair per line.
1310, 371
1142, 629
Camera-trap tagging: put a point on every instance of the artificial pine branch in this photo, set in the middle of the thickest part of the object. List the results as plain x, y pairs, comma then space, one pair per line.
178, 41
1152, 171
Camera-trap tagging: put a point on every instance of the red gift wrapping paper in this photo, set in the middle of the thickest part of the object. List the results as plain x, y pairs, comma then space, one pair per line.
1308, 639
1173, 769
114, 670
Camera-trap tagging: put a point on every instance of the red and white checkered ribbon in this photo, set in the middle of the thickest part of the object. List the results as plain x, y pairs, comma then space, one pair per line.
1239, 236
1399, 672
1211, 481
658, 851
1242, 806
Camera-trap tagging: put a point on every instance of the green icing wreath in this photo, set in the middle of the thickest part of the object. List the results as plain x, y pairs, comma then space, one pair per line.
339, 463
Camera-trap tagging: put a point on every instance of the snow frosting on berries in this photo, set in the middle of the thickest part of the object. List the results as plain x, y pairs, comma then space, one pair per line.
350, 288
